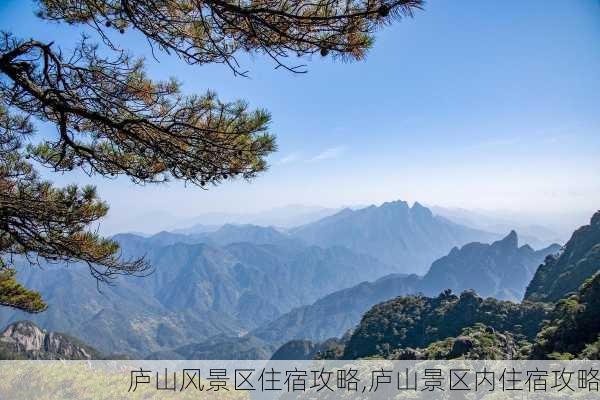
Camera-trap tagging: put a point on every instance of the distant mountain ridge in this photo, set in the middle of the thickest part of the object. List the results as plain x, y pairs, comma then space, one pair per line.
281, 217
501, 269
241, 286
220, 236
335, 313
151, 222
532, 233
409, 238
198, 290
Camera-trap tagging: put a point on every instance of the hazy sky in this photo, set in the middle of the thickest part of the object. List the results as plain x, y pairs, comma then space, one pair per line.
474, 104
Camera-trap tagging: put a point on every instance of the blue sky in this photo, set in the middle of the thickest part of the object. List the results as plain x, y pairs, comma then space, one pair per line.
474, 104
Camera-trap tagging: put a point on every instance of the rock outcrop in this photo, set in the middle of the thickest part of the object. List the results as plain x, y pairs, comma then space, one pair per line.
25, 340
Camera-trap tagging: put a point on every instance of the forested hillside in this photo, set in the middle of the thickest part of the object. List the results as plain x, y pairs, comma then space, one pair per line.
417, 321
564, 273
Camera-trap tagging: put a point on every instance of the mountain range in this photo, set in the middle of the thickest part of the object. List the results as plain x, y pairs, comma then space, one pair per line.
249, 289
501, 270
565, 324
197, 290
282, 217
151, 222
409, 238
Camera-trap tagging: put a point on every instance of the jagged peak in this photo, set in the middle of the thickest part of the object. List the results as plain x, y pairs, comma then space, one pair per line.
21, 327
511, 240
419, 209
26, 336
455, 251
345, 211
527, 247
395, 204
595, 218
418, 205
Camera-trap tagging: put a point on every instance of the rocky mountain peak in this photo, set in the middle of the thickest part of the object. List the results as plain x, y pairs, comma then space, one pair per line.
419, 209
25, 339
24, 334
595, 219
509, 242
400, 204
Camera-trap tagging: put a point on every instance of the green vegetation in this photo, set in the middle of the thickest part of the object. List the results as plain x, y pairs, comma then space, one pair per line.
574, 329
13, 294
564, 274
416, 327
477, 342
418, 321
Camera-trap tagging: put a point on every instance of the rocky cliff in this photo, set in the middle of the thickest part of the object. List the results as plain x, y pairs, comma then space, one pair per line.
25, 340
